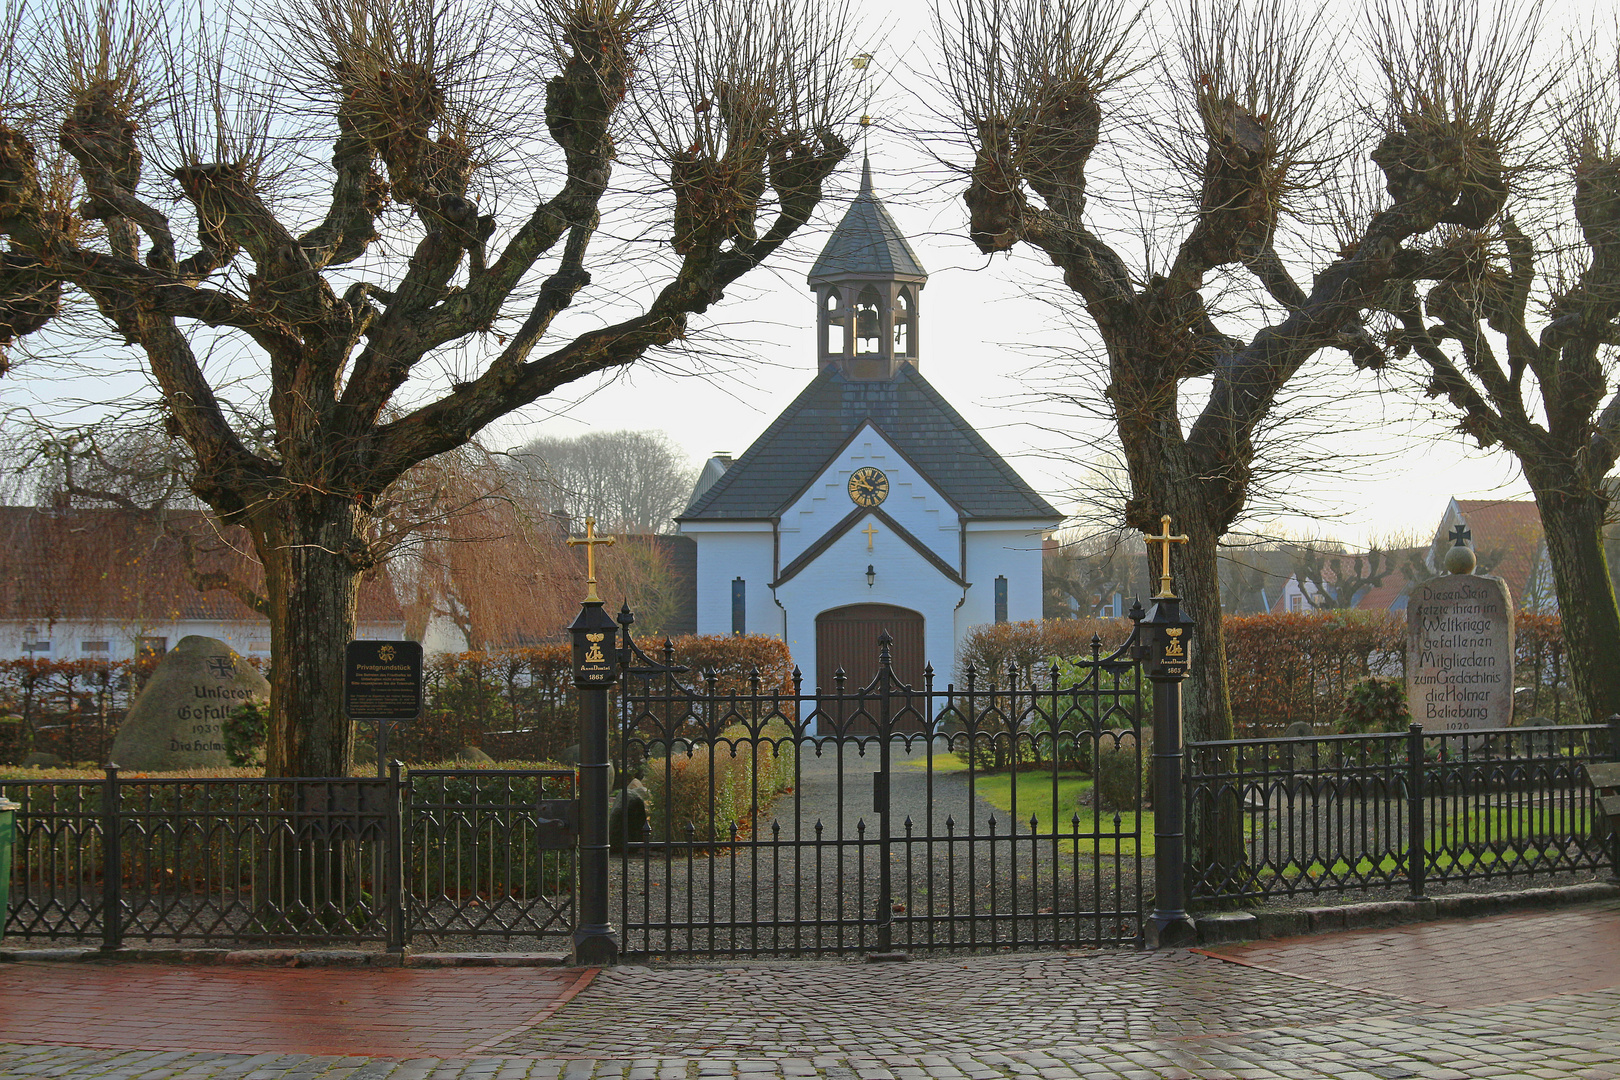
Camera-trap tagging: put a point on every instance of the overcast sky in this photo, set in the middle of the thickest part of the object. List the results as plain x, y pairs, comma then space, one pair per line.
993, 331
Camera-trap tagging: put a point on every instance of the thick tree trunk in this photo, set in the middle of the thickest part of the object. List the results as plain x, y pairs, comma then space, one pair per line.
1207, 705
1573, 526
314, 553
1165, 482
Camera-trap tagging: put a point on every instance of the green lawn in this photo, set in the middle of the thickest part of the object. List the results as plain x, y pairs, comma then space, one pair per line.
1513, 827
1035, 800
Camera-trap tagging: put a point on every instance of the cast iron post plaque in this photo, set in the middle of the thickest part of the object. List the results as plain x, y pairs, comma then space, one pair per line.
596, 667
382, 680
1169, 635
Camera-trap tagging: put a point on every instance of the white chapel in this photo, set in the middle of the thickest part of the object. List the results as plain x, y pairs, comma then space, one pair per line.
869, 504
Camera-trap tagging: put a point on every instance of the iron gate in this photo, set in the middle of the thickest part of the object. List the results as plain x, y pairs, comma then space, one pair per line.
1005, 812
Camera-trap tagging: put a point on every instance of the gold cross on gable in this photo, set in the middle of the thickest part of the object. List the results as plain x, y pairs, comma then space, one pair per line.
590, 540
1166, 539
870, 531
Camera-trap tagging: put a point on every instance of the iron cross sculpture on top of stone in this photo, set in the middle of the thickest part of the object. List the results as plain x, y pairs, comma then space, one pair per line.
1460, 536
590, 540
1165, 587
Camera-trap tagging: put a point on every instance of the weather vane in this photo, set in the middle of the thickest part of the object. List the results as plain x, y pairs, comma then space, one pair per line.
590, 540
862, 64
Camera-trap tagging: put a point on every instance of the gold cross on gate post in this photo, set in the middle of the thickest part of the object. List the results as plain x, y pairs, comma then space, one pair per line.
870, 531
1166, 539
590, 540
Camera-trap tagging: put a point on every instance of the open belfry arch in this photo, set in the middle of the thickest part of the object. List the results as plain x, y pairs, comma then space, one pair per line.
869, 494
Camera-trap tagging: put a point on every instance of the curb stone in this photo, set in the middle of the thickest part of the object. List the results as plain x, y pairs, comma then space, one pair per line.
1225, 927
1215, 928
297, 958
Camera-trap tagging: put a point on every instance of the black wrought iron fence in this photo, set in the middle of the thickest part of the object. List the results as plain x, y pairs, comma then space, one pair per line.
1005, 812
1348, 812
244, 860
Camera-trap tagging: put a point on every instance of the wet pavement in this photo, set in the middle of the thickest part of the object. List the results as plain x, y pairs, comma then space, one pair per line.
1521, 995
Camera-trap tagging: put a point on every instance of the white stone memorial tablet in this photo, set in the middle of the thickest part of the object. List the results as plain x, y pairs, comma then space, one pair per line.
1459, 653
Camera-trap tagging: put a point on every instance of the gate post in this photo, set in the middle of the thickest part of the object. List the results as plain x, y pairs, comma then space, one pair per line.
596, 667
1168, 637
112, 863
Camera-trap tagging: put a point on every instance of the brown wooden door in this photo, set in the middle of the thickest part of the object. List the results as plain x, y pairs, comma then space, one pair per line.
847, 638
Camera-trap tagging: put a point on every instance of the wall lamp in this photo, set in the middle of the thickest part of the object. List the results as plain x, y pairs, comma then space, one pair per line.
871, 575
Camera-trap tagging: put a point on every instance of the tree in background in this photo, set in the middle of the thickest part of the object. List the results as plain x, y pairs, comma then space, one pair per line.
1337, 578
1084, 573
1512, 315
495, 564
1236, 133
341, 236
630, 481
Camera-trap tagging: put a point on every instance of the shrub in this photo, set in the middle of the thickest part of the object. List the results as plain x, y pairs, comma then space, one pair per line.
1374, 704
1283, 668
1118, 773
1004, 737
991, 648
734, 767
245, 731
521, 702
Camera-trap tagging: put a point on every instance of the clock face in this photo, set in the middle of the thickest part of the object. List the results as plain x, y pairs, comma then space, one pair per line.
868, 486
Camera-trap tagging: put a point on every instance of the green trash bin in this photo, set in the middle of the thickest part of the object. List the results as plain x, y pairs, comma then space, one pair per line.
8, 832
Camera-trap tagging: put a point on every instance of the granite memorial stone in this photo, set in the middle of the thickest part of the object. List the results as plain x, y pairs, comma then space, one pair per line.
1459, 647
175, 722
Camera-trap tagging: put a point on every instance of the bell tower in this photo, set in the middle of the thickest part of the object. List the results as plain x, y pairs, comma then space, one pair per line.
867, 281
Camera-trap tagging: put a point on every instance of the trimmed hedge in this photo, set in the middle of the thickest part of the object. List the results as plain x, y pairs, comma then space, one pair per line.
70, 708
520, 702
1289, 667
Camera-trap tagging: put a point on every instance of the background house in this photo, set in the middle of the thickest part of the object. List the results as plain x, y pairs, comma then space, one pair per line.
110, 584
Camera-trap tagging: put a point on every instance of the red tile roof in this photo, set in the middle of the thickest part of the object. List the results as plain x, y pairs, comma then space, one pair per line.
1506, 530
126, 566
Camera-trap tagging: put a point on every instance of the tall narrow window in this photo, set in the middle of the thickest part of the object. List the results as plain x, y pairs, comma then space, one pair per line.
834, 321
739, 606
904, 342
1001, 598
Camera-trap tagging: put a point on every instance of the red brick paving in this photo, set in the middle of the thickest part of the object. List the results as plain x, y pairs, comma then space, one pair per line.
1494, 960
397, 1012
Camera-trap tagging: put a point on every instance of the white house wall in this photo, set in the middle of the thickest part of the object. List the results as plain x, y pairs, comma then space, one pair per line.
68, 636
727, 550
1001, 549
912, 501
838, 578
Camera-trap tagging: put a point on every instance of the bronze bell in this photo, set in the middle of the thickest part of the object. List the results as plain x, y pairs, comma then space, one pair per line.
866, 323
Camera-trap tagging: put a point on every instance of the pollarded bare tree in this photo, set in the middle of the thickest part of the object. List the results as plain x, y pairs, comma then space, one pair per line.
1236, 129
394, 203
1513, 319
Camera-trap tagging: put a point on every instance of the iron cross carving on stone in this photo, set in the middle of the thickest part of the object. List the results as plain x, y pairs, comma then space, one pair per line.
1165, 539
1460, 536
590, 540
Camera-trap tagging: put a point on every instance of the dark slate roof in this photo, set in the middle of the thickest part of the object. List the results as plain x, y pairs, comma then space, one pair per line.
913, 416
867, 243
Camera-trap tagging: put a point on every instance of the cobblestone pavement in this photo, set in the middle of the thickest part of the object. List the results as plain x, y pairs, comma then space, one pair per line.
1097, 1016
1538, 954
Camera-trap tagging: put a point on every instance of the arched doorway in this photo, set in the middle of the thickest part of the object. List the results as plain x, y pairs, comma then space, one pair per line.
847, 637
